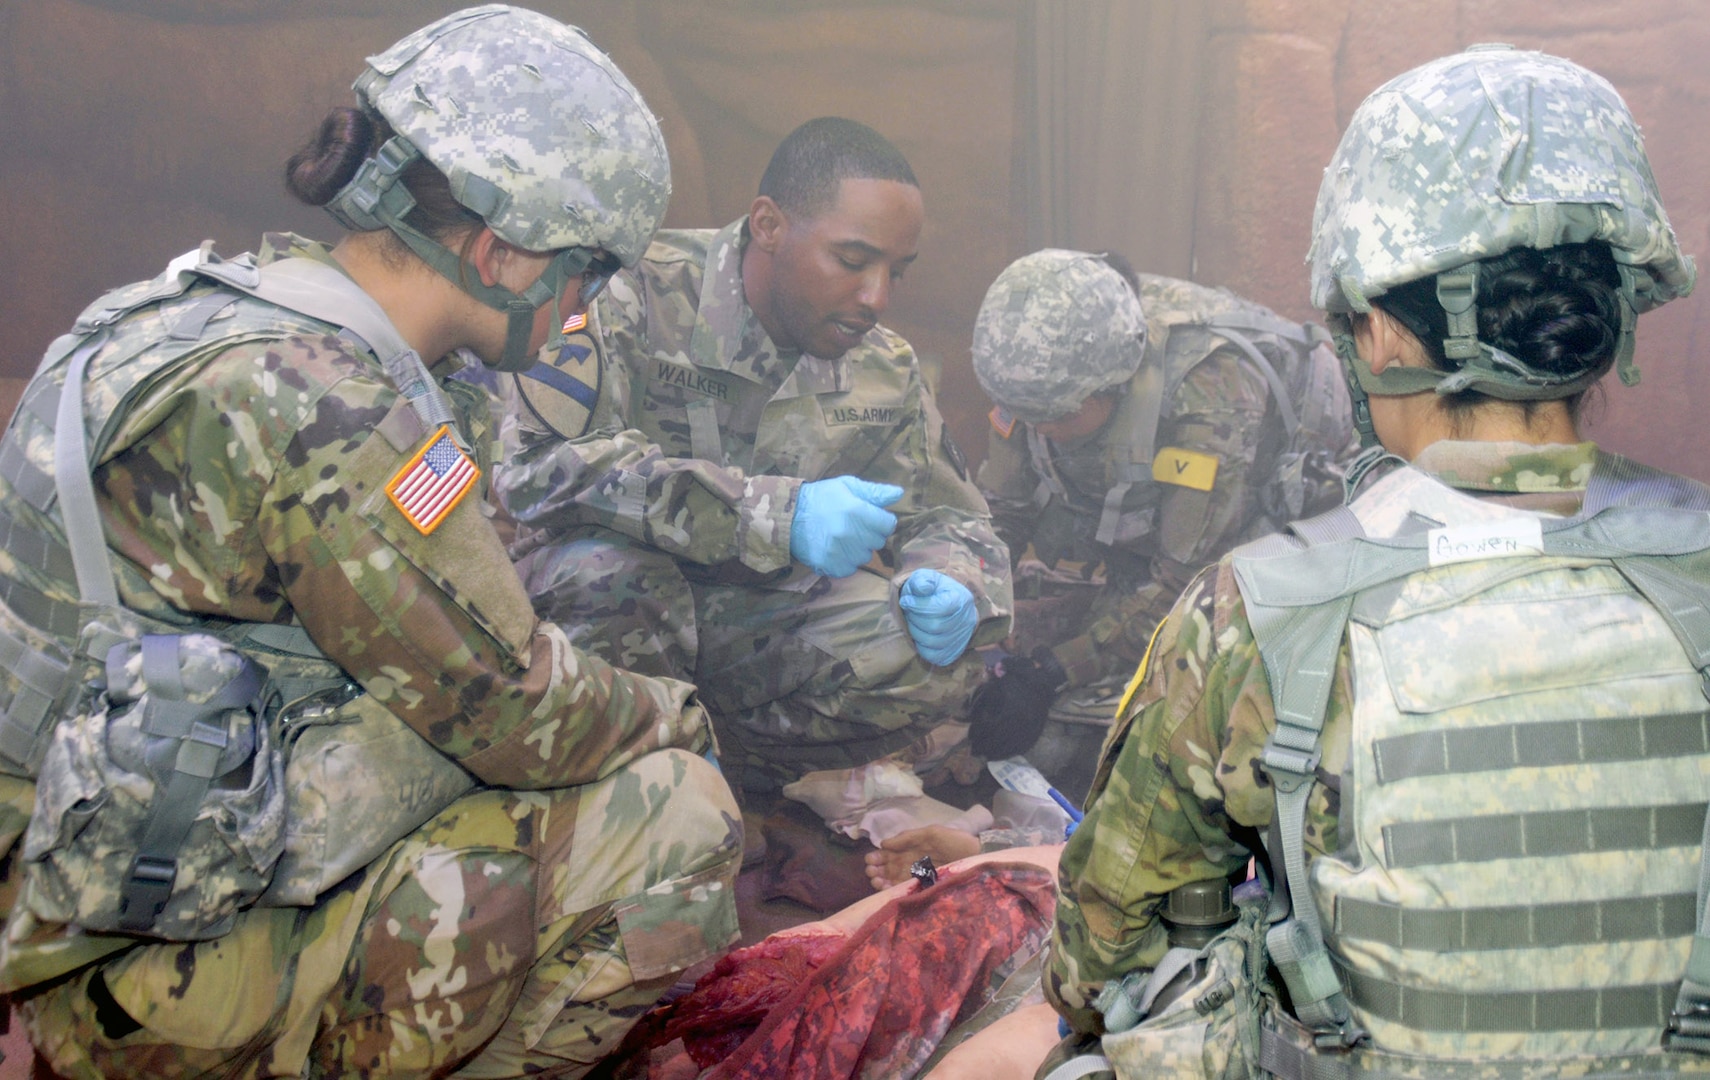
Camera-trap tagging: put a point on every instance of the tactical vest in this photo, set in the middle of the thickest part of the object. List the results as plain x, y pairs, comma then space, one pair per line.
1186, 323
62, 626
1524, 809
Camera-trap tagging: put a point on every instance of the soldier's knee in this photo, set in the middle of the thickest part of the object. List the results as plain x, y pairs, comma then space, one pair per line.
697, 810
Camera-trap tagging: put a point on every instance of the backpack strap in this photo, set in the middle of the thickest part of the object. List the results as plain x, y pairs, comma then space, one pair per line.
322, 292
1229, 326
201, 749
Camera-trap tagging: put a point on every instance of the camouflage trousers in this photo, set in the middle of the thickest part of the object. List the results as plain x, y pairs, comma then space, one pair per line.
515, 933
803, 673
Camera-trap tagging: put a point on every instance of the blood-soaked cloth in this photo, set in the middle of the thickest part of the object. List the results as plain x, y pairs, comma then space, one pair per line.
878, 1006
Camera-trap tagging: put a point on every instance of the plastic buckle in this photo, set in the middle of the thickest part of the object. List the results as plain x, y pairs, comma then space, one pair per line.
147, 888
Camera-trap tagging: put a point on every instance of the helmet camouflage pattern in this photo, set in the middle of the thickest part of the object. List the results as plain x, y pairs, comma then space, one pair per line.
1473, 154
1055, 328
537, 130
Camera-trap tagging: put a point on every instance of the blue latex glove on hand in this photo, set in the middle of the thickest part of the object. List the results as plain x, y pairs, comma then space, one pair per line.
840, 522
940, 613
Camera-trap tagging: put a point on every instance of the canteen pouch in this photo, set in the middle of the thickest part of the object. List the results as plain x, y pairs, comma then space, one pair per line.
160, 808
360, 780
1203, 1021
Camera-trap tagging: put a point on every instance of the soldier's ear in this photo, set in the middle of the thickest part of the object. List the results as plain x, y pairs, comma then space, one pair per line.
766, 223
486, 254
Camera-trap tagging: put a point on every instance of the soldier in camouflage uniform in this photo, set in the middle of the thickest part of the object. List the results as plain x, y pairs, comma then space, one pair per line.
1138, 429
1498, 700
522, 927
703, 472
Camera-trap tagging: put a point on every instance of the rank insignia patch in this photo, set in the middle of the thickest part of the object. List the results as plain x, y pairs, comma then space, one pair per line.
434, 482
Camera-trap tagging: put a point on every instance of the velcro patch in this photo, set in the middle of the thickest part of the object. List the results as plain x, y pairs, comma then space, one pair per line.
1185, 468
427, 489
1002, 422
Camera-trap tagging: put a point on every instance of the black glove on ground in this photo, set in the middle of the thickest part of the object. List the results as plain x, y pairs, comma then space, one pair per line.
1008, 711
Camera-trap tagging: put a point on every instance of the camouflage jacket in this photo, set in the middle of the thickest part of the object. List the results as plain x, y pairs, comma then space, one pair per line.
250, 483
1179, 795
1217, 434
702, 433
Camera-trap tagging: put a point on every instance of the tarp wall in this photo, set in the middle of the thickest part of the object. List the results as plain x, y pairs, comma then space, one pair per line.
1190, 136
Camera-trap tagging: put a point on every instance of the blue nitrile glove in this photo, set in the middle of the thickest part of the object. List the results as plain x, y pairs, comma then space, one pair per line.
840, 522
940, 614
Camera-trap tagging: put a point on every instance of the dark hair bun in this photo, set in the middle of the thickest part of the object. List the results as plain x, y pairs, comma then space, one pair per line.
1556, 310
321, 168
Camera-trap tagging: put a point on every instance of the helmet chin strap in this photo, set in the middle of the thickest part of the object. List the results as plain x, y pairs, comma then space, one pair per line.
374, 199
1342, 335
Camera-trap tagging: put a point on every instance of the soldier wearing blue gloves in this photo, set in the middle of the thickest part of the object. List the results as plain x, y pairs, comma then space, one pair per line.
734, 475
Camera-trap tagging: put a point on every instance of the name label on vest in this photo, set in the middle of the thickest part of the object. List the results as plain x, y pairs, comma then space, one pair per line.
848, 414
667, 374
1506, 538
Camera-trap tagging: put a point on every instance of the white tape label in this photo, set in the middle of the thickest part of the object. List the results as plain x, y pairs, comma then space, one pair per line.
1505, 538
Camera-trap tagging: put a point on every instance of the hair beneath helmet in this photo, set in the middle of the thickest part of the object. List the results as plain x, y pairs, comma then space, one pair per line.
806, 169
347, 137
1556, 310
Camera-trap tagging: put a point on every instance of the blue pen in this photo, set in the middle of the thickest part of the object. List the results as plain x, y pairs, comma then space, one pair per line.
1075, 815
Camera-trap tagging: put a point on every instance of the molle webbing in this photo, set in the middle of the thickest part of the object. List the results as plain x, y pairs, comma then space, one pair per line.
1281, 1058
1583, 922
30, 483
1299, 594
1542, 834
1582, 1009
1541, 745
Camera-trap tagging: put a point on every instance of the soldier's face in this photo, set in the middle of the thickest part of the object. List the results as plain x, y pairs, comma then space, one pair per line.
831, 275
1080, 424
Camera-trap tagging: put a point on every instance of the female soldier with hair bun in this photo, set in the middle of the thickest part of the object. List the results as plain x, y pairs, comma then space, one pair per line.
314, 793
1462, 718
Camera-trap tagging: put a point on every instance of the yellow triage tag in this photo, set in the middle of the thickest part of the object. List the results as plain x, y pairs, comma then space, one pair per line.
1185, 468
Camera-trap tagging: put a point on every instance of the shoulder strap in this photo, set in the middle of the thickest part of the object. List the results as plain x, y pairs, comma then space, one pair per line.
322, 292
1229, 326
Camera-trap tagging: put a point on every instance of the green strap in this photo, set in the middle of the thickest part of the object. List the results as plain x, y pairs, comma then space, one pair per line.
204, 751
71, 465
1541, 745
1579, 1009
322, 292
1284, 1059
1279, 390
1585, 922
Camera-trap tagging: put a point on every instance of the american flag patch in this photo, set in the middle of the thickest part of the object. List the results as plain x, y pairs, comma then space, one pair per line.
575, 322
435, 480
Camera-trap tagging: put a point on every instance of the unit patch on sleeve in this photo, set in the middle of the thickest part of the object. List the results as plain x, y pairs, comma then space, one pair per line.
562, 394
1185, 468
428, 488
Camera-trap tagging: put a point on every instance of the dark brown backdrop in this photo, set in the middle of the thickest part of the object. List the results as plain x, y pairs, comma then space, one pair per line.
1189, 135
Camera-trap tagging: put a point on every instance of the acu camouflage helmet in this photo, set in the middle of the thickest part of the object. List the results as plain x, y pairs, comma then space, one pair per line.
1464, 159
1473, 154
538, 133
1055, 328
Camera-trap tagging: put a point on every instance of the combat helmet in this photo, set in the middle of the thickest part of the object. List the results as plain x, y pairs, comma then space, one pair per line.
1055, 328
537, 131
1468, 157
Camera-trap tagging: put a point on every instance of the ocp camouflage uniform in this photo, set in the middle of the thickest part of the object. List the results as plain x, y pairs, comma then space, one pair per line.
656, 517
1180, 795
528, 923
1196, 511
